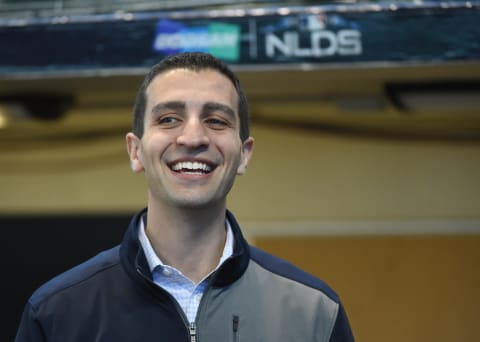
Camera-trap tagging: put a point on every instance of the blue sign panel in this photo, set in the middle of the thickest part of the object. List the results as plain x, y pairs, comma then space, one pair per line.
317, 35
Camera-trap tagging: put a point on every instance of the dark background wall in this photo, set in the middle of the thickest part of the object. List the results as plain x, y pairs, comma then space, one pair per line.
36, 248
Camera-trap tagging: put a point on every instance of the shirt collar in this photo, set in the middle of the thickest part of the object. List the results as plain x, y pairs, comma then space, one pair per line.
154, 261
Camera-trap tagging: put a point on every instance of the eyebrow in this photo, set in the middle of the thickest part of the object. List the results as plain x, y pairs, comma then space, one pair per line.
215, 106
165, 106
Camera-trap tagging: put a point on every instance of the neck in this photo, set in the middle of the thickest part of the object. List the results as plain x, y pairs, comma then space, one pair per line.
191, 240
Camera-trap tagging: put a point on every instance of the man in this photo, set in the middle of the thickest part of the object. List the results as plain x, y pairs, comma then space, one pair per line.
183, 271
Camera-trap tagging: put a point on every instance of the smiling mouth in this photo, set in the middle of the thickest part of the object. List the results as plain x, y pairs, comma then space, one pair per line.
192, 168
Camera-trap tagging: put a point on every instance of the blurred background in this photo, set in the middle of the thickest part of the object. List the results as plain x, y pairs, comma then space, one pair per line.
366, 116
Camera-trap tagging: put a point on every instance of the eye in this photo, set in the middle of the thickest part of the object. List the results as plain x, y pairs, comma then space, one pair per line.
168, 121
217, 123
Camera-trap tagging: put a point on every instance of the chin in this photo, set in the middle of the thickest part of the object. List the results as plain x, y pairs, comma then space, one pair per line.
195, 203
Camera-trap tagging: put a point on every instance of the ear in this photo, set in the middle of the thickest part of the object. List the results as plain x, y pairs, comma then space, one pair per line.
247, 151
134, 149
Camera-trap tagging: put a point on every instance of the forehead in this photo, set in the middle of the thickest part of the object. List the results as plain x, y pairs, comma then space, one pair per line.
184, 84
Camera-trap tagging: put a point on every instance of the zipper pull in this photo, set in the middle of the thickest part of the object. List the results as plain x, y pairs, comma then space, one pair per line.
235, 327
193, 332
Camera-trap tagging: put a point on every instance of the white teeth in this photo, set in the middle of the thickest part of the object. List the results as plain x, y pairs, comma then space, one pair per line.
191, 167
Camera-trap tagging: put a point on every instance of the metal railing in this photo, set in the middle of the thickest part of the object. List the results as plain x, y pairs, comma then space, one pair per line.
42, 8
48, 8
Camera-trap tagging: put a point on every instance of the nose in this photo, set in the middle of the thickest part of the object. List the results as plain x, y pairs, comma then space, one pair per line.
193, 134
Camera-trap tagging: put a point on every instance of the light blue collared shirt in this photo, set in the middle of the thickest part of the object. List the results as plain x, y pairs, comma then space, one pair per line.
186, 292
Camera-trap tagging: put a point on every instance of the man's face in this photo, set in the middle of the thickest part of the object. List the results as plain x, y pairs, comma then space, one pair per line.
191, 149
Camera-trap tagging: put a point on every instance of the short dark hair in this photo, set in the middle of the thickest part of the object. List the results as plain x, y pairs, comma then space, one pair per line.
195, 61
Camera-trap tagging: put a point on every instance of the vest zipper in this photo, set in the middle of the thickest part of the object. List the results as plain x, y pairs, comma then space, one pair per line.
235, 321
193, 332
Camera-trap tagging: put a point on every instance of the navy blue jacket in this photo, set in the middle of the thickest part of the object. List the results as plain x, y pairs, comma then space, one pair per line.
253, 296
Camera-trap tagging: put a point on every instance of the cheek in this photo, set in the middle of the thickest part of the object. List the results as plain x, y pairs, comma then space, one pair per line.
155, 149
236, 158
